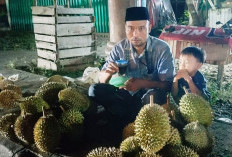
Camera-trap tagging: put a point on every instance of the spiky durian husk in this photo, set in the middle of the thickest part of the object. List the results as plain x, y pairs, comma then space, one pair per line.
72, 98
146, 154
13, 87
58, 78
23, 127
33, 105
47, 134
152, 128
4, 82
198, 137
49, 92
8, 99
175, 138
128, 131
105, 152
195, 108
7, 125
180, 151
70, 119
130, 146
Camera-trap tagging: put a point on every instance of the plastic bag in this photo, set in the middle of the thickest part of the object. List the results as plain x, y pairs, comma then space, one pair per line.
91, 75
161, 13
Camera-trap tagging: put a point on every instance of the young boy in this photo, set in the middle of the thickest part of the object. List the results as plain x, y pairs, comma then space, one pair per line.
191, 59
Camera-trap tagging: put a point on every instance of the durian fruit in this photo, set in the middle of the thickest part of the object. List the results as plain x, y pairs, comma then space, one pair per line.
128, 131
70, 119
58, 78
198, 138
33, 105
146, 154
49, 92
7, 125
180, 151
23, 127
130, 146
72, 98
4, 82
8, 99
195, 108
152, 127
175, 138
105, 152
47, 133
13, 87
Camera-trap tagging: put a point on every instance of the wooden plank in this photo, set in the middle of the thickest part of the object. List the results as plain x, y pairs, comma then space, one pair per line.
78, 60
50, 55
46, 64
74, 29
44, 29
62, 10
74, 19
46, 38
77, 67
45, 45
36, 10
75, 41
43, 19
67, 53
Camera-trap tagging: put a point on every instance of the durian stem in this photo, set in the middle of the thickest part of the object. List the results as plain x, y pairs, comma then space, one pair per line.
61, 107
43, 111
151, 99
185, 90
168, 99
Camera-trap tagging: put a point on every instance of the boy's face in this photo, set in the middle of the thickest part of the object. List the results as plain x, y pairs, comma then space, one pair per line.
190, 63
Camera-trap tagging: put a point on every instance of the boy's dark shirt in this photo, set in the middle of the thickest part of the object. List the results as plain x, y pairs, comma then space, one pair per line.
199, 81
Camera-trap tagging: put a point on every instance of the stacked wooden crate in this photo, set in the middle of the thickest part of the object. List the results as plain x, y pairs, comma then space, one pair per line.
65, 37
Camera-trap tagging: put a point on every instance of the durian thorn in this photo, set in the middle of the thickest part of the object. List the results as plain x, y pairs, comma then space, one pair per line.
185, 90
151, 99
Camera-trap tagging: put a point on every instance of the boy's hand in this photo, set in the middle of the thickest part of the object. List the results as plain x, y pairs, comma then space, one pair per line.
112, 68
132, 84
182, 73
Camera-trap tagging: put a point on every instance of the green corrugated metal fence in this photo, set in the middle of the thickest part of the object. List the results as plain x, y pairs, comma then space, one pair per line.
21, 17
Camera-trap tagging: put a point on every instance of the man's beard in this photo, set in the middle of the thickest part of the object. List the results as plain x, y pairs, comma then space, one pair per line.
138, 42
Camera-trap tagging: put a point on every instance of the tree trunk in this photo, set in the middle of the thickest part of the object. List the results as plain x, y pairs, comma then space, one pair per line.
195, 17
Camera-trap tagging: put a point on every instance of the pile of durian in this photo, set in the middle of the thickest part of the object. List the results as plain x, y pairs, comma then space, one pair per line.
166, 131
54, 113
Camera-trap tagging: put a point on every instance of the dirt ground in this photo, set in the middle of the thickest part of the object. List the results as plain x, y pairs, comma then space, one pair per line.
222, 125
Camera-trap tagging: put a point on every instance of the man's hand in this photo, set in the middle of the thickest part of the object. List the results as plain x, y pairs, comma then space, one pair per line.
182, 73
112, 68
132, 84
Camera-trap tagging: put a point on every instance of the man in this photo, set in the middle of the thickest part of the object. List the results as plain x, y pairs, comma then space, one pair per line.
150, 69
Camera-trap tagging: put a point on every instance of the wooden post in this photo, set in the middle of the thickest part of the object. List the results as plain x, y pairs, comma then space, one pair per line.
68, 3
220, 74
8, 12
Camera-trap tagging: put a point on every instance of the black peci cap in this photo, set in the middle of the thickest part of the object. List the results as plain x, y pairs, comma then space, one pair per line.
136, 14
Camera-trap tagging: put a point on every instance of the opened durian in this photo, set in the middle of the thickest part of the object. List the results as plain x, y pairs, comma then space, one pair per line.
72, 98
152, 127
49, 92
47, 133
198, 138
9, 98
105, 152
195, 108
33, 105
7, 125
23, 127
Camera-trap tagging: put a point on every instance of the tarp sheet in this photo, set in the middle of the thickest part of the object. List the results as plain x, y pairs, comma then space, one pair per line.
196, 34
